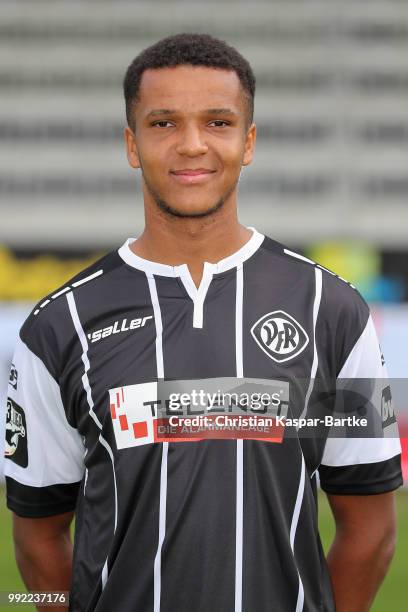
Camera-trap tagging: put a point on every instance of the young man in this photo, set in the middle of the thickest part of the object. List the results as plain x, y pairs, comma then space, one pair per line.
197, 518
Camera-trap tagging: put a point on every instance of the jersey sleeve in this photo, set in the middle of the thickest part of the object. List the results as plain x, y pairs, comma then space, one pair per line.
44, 454
366, 465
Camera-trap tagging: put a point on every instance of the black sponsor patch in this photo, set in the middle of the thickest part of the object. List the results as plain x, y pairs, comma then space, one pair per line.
16, 434
387, 409
13, 376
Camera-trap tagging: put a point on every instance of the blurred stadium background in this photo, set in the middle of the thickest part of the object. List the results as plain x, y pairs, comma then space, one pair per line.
330, 176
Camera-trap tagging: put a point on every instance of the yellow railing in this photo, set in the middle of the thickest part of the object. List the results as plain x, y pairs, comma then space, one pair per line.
33, 278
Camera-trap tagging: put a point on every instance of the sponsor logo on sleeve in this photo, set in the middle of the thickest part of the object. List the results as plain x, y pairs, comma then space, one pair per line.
280, 336
13, 376
16, 434
387, 409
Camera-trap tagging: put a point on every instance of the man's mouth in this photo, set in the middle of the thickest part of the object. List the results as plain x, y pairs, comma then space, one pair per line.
192, 176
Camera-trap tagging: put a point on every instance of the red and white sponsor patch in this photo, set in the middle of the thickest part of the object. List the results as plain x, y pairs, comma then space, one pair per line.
136, 421
133, 423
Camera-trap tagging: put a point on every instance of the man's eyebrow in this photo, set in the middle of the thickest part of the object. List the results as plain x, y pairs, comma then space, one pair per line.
160, 112
220, 111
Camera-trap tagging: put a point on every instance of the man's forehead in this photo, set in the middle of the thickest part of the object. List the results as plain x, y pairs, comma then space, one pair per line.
192, 86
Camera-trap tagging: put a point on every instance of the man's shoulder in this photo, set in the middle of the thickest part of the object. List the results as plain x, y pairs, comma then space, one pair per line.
340, 313
52, 308
336, 292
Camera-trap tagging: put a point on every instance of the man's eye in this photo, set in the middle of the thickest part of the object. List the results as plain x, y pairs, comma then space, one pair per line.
219, 123
162, 124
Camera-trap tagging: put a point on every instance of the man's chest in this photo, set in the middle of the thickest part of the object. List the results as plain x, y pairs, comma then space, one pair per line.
130, 351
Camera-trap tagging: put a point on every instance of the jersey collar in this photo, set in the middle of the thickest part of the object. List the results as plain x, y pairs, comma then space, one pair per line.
160, 269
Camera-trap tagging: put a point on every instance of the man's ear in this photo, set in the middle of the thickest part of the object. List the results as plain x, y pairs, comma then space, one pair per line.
249, 145
131, 148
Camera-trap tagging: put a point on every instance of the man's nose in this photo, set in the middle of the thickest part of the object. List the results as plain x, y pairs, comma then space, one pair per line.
192, 142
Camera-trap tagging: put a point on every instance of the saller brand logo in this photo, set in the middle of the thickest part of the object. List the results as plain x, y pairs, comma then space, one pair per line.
117, 327
280, 336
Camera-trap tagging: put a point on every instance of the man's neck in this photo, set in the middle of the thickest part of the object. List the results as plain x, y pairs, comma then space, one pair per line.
191, 241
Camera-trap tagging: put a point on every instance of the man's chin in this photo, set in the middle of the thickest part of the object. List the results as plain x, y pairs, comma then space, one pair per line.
189, 211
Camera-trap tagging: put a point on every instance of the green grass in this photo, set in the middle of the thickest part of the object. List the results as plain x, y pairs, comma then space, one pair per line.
10, 579
392, 595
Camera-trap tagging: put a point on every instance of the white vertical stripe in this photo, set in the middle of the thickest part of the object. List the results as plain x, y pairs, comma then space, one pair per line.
104, 443
298, 505
293, 527
86, 479
239, 526
105, 573
240, 446
315, 363
158, 323
86, 469
162, 527
84, 343
87, 388
165, 445
238, 321
313, 370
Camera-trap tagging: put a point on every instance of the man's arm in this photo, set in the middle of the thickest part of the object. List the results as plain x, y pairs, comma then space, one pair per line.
43, 552
362, 549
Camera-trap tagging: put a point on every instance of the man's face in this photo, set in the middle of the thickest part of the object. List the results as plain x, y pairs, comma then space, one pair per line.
191, 138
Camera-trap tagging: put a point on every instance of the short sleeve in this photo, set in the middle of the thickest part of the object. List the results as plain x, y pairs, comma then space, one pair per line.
44, 454
364, 465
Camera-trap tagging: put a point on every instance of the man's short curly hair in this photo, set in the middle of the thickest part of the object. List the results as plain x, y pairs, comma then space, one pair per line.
188, 49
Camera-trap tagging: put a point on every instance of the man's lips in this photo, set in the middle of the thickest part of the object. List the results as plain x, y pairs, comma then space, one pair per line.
190, 176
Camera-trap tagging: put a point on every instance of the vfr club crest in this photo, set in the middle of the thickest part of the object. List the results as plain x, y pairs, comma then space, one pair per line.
280, 336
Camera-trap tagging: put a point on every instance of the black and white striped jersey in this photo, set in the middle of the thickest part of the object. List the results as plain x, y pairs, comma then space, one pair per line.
194, 518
